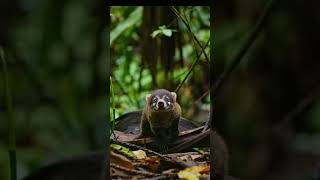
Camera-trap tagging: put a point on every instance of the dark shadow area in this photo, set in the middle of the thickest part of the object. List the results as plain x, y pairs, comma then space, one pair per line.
268, 109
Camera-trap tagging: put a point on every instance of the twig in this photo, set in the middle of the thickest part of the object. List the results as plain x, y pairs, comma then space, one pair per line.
122, 89
194, 140
243, 49
191, 69
185, 154
164, 157
208, 123
302, 106
133, 170
11, 122
189, 29
145, 149
140, 77
113, 108
202, 96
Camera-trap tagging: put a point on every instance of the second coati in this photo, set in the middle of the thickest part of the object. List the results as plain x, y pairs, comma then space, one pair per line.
160, 117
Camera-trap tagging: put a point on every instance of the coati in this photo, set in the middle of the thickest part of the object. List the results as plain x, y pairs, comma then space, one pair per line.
160, 117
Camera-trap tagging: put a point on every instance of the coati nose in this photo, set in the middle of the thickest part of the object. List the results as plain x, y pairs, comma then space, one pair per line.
161, 104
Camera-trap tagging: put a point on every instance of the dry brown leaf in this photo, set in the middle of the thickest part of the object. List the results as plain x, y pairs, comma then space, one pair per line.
185, 158
195, 156
120, 160
140, 154
153, 163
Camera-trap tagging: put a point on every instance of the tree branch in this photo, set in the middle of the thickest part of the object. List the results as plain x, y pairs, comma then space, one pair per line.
243, 49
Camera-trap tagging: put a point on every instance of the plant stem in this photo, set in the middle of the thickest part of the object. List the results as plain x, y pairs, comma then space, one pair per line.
189, 29
113, 107
191, 68
11, 122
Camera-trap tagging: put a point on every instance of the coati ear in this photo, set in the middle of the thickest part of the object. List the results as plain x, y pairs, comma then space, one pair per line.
174, 96
147, 97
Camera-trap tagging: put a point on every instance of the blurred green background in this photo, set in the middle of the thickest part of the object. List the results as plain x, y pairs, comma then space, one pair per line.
56, 58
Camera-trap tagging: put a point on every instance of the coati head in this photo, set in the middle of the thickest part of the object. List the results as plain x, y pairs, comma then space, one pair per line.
161, 100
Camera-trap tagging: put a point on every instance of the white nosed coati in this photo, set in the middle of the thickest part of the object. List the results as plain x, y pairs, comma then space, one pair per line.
160, 117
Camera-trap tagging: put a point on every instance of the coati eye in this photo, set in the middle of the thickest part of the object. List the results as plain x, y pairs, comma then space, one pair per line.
155, 100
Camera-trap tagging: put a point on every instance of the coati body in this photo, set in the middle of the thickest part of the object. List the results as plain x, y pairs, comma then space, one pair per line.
160, 116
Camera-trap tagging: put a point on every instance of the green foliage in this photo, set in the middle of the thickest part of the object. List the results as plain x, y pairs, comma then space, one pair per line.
163, 30
132, 79
133, 19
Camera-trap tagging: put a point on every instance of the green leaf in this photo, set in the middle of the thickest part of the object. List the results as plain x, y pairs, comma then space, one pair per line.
133, 19
167, 32
123, 149
162, 30
162, 27
155, 33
